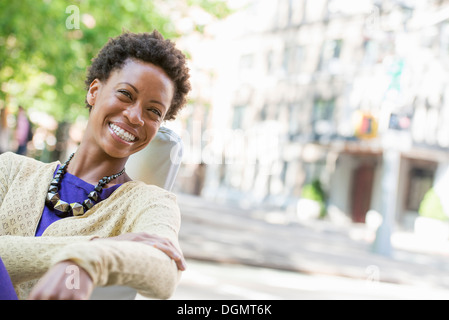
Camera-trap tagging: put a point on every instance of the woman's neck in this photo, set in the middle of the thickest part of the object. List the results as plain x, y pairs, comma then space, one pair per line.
91, 165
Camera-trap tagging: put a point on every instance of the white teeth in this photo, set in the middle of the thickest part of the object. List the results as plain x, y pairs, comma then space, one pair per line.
125, 135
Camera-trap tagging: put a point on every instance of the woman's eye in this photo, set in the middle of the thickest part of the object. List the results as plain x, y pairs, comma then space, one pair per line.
155, 111
126, 93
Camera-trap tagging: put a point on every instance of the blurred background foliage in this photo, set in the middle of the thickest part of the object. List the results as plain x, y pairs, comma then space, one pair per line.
431, 207
314, 191
46, 46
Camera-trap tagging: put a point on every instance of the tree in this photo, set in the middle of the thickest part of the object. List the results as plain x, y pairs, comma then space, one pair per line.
46, 46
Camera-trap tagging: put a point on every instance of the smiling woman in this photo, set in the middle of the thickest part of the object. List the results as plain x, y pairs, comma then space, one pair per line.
132, 103
57, 216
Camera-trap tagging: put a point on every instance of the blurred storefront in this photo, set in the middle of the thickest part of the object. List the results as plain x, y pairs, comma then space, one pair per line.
334, 85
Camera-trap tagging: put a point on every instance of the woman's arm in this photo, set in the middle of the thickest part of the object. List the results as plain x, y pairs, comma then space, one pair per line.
68, 281
132, 260
143, 267
157, 242
28, 258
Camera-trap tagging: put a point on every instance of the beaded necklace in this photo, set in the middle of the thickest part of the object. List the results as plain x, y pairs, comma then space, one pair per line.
64, 209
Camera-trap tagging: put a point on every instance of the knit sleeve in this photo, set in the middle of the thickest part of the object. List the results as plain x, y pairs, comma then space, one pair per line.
27, 258
5, 165
147, 269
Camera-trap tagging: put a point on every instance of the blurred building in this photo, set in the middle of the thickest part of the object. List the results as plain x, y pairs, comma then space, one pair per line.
289, 92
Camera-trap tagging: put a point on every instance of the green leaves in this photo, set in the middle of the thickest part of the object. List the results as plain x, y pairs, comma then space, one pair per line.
46, 47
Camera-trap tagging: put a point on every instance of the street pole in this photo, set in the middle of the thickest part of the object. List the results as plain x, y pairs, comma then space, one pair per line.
390, 180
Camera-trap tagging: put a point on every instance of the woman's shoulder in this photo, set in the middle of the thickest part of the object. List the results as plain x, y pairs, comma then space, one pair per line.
144, 188
143, 191
19, 159
10, 159
8, 156
18, 162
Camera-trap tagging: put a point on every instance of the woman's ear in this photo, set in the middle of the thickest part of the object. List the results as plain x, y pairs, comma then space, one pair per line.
93, 91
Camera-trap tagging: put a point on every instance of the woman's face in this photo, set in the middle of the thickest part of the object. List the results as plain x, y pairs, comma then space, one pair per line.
128, 108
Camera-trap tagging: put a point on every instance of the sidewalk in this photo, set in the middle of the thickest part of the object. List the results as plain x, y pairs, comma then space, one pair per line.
228, 234
217, 281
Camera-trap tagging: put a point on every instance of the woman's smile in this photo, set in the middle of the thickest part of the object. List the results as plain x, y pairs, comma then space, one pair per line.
122, 134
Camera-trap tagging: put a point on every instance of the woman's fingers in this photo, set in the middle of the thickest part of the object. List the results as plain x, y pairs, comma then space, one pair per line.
173, 253
161, 243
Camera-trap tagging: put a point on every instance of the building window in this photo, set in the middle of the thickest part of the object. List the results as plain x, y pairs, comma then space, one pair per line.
330, 54
293, 121
297, 8
246, 66
283, 15
421, 181
323, 114
263, 114
315, 10
270, 62
293, 57
246, 62
371, 52
444, 40
237, 120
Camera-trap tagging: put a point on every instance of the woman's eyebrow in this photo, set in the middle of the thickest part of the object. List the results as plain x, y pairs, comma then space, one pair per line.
129, 84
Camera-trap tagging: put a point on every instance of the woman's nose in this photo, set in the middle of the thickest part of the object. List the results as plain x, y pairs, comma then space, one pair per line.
134, 114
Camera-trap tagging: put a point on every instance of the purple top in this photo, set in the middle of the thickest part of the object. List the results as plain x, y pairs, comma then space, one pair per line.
6, 288
72, 189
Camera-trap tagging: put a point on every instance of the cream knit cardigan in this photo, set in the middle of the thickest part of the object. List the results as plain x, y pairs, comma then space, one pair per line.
133, 207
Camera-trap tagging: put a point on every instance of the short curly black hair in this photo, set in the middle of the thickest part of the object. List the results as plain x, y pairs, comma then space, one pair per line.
147, 47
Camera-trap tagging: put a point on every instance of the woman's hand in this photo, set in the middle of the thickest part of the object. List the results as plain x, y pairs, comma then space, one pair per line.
64, 281
155, 241
68, 281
